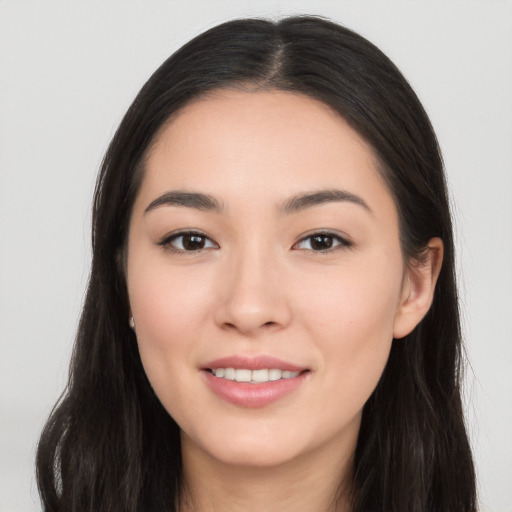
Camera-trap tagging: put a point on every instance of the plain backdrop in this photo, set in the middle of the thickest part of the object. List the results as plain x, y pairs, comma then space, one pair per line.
68, 72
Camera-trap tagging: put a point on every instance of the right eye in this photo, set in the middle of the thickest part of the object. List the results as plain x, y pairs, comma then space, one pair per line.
187, 241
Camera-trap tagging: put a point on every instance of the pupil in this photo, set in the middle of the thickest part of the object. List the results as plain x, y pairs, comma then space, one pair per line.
193, 242
321, 242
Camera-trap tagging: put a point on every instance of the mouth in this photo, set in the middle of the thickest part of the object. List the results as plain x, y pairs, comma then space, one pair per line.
257, 376
253, 382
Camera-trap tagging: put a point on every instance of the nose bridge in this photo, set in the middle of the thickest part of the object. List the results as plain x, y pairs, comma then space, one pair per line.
253, 295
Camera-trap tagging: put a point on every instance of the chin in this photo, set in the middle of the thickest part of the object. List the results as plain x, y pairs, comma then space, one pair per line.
250, 448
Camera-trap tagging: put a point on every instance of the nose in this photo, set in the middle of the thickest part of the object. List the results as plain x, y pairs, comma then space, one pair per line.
253, 297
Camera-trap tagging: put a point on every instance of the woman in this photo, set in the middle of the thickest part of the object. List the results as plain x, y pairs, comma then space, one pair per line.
271, 320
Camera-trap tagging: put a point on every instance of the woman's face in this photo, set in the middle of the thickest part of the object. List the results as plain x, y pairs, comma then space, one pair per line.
264, 247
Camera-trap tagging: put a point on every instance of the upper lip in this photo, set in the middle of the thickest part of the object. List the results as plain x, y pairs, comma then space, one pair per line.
253, 363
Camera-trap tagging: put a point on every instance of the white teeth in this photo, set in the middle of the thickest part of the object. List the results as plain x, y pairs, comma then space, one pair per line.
243, 375
274, 374
255, 376
229, 373
260, 375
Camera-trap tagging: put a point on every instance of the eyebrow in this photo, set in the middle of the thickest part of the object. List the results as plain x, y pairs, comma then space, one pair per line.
299, 202
309, 199
195, 200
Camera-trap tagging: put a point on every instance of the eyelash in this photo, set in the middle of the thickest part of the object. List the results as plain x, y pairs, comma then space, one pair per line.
166, 242
342, 242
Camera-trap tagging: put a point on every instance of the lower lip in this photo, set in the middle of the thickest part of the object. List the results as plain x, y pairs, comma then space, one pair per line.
245, 394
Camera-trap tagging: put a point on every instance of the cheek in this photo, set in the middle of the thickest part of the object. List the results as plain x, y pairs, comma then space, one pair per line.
352, 320
170, 309
165, 304
362, 296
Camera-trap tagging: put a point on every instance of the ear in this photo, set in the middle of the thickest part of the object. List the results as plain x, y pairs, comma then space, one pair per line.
418, 288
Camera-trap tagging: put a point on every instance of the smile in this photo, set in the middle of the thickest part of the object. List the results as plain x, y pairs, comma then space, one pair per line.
253, 376
253, 381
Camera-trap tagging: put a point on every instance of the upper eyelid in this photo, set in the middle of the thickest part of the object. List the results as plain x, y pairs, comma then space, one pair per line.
182, 232
345, 241
321, 231
326, 232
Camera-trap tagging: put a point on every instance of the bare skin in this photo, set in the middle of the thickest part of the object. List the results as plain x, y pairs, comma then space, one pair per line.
259, 271
215, 486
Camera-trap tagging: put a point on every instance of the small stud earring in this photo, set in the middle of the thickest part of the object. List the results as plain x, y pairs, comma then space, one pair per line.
132, 323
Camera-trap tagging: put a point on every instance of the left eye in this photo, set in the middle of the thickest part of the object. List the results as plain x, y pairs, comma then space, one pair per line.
187, 242
322, 242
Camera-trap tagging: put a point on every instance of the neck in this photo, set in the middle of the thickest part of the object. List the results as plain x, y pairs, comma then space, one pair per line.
315, 483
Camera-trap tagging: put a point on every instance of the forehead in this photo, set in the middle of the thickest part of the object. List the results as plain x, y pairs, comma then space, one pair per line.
268, 144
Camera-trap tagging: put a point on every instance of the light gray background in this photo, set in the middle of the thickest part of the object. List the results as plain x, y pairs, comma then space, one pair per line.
69, 70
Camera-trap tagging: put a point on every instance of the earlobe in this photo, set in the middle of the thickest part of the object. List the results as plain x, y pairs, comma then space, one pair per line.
418, 289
